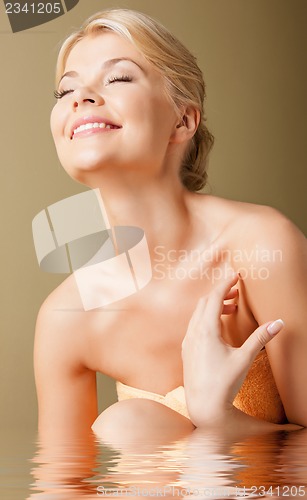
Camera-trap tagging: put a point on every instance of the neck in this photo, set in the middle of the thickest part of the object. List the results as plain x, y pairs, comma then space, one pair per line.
159, 206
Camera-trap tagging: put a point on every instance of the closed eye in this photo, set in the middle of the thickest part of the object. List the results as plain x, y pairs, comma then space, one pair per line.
59, 94
123, 78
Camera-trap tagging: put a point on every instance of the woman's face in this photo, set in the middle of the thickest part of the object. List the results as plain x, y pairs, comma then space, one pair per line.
113, 114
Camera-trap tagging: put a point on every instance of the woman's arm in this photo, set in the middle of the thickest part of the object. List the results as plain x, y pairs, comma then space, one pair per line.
283, 294
66, 389
214, 371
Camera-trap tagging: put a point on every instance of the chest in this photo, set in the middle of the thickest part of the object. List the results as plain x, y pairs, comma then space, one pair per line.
138, 340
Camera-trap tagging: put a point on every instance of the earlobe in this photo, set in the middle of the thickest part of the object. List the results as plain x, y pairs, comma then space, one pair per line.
186, 125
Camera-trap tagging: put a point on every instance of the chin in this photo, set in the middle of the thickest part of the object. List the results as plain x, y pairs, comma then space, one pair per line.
76, 165
91, 173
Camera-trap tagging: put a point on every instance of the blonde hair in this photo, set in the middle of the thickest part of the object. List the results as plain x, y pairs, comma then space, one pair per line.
184, 80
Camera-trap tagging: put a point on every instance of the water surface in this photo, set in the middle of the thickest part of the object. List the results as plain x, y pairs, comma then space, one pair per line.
200, 465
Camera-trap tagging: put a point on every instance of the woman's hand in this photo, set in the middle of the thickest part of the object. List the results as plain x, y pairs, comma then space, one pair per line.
214, 371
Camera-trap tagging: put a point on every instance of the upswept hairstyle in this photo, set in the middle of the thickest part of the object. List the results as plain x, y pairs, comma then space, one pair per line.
183, 78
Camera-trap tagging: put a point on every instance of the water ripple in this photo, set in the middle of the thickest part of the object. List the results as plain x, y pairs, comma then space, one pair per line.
199, 466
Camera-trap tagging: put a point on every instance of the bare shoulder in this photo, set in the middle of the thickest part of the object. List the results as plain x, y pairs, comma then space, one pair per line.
65, 384
63, 302
253, 224
62, 324
270, 230
64, 297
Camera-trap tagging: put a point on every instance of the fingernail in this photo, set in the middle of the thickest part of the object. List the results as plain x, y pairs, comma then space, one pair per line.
275, 327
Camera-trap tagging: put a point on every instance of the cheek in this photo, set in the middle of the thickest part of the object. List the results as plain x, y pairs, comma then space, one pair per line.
151, 114
57, 128
56, 122
53, 123
163, 114
162, 121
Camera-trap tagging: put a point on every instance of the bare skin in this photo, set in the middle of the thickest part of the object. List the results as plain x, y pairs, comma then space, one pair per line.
119, 342
138, 340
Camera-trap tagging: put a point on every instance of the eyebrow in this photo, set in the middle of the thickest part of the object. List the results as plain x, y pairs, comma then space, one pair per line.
106, 65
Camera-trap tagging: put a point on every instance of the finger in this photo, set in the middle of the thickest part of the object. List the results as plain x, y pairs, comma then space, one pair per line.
198, 312
215, 300
229, 308
233, 294
200, 306
260, 337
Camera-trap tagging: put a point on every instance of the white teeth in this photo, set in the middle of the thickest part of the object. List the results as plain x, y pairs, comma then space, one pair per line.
88, 126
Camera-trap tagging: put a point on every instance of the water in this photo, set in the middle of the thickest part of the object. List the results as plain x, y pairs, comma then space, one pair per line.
200, 466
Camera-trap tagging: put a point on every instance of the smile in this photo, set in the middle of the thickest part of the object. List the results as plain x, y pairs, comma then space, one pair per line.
86, 126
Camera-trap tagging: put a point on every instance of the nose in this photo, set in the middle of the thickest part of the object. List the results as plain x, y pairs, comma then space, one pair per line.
84, 95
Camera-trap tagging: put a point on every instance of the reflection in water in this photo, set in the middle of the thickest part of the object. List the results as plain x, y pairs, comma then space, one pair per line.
16, 448
201, 465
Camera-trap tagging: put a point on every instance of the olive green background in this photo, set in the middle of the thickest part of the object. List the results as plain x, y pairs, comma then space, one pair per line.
252, 54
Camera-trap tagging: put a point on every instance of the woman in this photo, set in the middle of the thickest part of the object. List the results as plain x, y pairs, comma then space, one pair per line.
129, 121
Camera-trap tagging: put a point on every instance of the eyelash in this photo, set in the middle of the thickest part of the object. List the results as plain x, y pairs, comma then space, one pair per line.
59, 94
124, 78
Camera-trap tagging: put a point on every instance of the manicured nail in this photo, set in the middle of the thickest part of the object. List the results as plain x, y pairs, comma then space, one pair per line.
275, 327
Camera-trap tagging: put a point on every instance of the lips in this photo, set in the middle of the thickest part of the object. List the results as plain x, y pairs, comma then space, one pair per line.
90, 124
